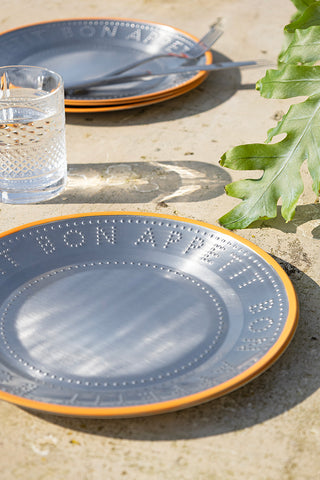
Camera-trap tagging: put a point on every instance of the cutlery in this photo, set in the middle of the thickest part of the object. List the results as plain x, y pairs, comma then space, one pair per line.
195, 52
116, 79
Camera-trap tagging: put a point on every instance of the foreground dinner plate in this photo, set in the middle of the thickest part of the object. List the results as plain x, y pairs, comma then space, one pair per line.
86, 49
124, 314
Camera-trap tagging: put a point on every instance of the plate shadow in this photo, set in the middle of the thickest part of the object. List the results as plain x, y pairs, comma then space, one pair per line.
216, 89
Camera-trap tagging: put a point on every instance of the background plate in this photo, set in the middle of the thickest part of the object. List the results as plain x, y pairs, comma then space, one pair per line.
89, 48
124, 314
126, 106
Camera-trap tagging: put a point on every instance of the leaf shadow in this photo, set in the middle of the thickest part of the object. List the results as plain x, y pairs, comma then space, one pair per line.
303, 215
292, 379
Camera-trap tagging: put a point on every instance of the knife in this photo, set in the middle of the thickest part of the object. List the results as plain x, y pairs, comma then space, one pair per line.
106, 80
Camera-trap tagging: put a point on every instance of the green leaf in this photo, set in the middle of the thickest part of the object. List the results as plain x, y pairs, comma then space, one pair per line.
303, 48
290, 81
281, 163
302, 5
288, 37
310, 17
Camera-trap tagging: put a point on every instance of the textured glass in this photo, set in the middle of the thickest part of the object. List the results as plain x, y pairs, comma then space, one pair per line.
33, 164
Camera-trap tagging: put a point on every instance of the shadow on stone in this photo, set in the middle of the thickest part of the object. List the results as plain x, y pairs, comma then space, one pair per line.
142, 182
303, 215
216, 89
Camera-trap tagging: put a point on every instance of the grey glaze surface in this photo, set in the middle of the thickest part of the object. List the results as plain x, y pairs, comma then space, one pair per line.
123, 310
86, 49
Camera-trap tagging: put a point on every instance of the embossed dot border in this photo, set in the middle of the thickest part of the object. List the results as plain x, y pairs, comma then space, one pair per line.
39, 230
221, 242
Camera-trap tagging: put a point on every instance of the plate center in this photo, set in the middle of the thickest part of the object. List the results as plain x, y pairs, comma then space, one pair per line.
89, 64
112, 321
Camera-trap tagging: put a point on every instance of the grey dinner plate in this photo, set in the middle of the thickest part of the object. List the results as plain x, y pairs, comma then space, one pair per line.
127, 314
86, 49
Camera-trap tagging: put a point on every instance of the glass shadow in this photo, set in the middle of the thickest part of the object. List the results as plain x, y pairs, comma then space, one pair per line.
142, 182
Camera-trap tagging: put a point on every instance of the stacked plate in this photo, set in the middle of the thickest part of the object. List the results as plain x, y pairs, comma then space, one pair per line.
86, 49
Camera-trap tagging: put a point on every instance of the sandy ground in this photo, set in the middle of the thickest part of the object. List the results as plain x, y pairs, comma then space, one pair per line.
266, 430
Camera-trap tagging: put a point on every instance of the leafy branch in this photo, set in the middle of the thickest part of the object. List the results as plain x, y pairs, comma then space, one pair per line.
297, 75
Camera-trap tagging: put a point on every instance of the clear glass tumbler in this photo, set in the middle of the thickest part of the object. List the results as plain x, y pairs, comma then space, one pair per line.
33, 164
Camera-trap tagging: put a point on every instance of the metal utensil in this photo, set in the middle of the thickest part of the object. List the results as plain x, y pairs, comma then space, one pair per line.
193, 53
115, 79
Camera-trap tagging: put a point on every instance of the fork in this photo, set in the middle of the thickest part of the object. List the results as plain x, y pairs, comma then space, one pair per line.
196, 51
117, 79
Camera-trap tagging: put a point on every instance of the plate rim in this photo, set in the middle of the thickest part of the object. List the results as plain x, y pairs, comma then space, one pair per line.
127, 106
187, 85
270, 357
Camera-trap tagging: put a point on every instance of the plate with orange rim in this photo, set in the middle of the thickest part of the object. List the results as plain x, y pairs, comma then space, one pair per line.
124, 106
130, 314
89, 48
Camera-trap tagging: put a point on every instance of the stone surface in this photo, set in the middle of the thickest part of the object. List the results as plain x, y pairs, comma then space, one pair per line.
268, 429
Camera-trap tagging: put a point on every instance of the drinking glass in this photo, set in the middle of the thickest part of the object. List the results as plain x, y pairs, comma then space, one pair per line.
33, 164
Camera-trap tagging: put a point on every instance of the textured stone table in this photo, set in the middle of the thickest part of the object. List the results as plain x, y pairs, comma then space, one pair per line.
268, 429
